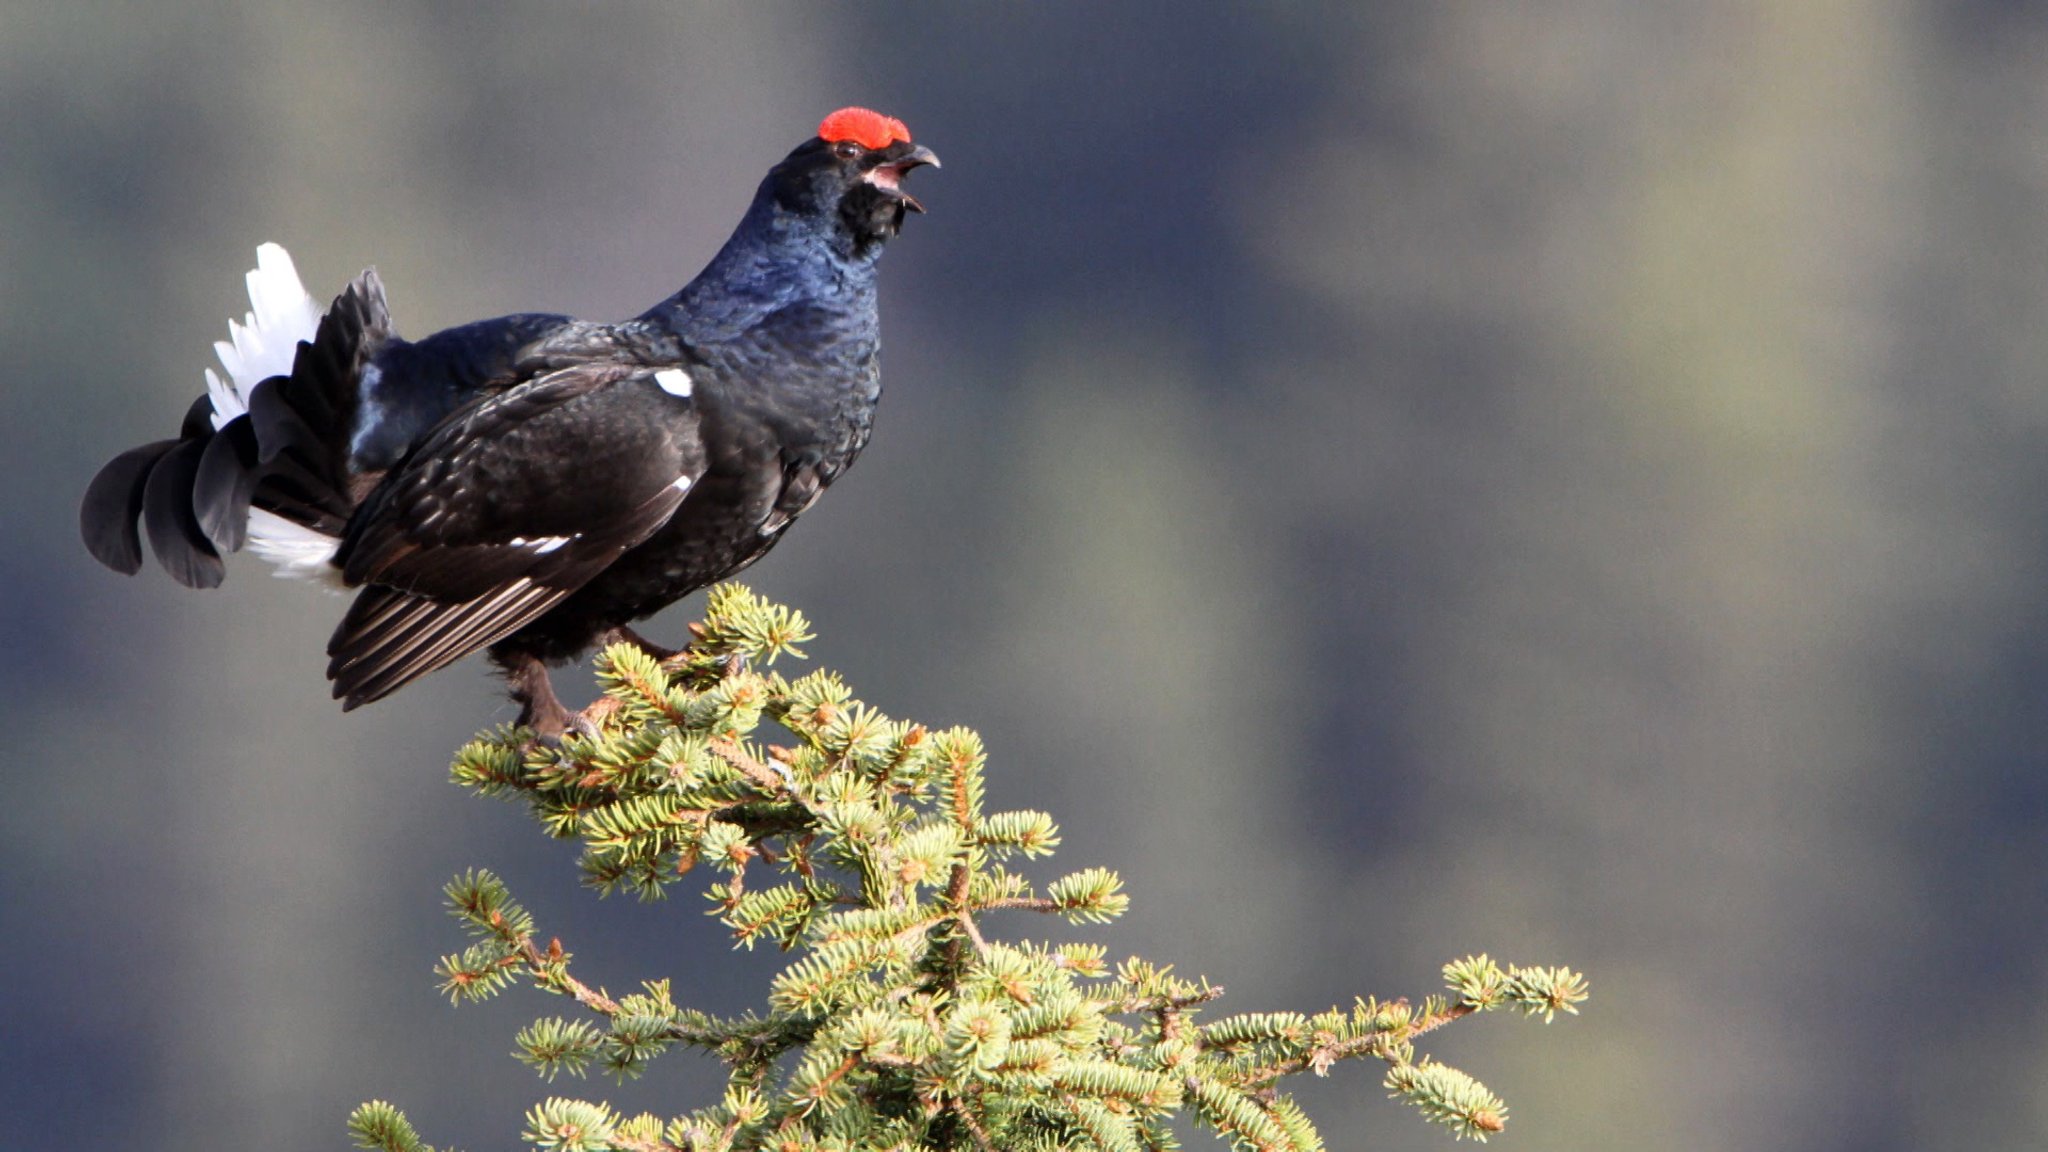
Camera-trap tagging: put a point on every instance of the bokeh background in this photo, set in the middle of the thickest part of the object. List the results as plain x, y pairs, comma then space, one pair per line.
1396, 480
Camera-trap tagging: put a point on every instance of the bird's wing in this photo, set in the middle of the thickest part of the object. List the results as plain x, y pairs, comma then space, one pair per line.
507, 508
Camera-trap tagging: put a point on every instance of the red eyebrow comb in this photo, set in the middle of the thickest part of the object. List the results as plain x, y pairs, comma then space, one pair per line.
867, 128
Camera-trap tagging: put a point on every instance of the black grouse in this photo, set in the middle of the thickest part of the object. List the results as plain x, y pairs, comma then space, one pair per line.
534, 483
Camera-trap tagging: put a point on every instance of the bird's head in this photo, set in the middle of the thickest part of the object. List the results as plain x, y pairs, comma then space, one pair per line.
852, 172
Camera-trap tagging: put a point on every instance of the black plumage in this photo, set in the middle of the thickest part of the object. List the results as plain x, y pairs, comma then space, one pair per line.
534, 483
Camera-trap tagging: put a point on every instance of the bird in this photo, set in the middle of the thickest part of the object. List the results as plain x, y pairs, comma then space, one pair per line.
534, 484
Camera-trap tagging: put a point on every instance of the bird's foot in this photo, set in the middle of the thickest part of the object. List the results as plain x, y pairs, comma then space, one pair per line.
539, 708
625, 635
547, 723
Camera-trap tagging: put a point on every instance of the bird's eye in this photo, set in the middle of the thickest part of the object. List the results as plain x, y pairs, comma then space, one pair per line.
846, 149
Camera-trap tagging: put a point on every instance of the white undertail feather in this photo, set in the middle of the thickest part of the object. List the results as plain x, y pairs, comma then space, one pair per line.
263, 345
299, 552
267, 339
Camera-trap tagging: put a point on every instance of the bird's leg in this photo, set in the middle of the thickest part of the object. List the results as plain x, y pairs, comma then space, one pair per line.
621, 634
539, 709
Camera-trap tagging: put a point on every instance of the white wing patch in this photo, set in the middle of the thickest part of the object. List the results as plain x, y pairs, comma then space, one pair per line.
682, 484
542, 545
673, 381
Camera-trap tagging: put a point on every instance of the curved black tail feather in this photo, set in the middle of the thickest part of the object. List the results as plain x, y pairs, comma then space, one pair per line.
287, 455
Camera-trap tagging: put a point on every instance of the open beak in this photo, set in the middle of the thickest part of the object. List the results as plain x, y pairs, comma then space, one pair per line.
890, 175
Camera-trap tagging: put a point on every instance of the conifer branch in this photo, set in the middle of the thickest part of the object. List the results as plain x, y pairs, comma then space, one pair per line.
860, 845
762, 776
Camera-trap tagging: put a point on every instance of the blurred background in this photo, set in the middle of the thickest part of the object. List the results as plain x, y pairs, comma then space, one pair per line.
1395, 480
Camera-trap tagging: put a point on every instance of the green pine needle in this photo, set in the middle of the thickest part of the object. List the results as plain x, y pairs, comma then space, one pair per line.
859, 843
1449, 1097
380, 1126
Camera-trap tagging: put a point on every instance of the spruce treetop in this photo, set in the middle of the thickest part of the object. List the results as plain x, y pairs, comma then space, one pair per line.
859, 845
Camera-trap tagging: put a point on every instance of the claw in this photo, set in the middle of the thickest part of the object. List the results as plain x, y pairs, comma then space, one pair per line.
591, 721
